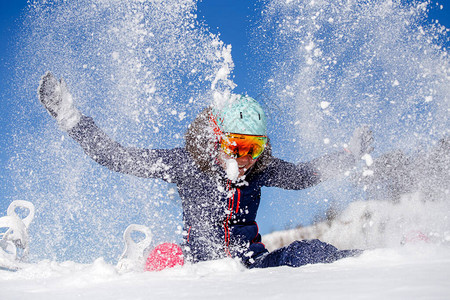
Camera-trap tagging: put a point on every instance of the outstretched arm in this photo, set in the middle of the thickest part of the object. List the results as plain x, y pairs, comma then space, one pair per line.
337, 163
287, 175
54, 95
290, 176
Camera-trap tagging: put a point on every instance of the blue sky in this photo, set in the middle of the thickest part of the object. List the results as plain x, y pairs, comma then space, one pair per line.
10, 14
229, 18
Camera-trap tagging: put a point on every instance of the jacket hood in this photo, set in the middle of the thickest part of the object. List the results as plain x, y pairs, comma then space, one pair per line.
202, 145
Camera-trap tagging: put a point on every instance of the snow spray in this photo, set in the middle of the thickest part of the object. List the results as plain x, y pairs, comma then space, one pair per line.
144, 69
338, 65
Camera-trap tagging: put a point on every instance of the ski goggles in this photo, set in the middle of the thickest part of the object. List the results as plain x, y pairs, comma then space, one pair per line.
238, 145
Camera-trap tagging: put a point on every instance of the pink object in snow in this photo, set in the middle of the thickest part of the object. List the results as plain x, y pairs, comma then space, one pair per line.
163, 256
415, 236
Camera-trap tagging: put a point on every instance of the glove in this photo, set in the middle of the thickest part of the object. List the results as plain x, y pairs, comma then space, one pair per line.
361, 142
55, 97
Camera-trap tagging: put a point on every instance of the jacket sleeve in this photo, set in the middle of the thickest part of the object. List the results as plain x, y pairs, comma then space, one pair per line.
148, 163
286, 175
291, 176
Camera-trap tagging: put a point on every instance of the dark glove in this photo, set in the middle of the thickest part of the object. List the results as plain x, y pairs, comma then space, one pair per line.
55, 97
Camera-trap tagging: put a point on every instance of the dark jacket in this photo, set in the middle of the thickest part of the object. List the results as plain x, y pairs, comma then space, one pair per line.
218, 215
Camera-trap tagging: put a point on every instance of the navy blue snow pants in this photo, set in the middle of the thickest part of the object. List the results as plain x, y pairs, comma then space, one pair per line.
301, 253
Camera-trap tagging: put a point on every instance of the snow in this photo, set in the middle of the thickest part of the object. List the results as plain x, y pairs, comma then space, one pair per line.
375, 224
232, 169
223, 74
412, 272
368, 159
392, 268
324, 104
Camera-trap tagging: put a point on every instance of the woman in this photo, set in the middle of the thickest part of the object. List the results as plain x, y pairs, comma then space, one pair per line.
219, 174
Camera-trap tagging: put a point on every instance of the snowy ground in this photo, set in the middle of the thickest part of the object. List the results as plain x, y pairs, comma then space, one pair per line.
419, 271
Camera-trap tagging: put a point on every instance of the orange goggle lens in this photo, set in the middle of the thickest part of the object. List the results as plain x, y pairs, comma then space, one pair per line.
237, 145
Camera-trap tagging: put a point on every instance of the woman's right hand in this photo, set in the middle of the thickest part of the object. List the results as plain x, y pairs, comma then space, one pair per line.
55, 97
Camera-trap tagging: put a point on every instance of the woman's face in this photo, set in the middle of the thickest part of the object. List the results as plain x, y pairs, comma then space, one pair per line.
244, 162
